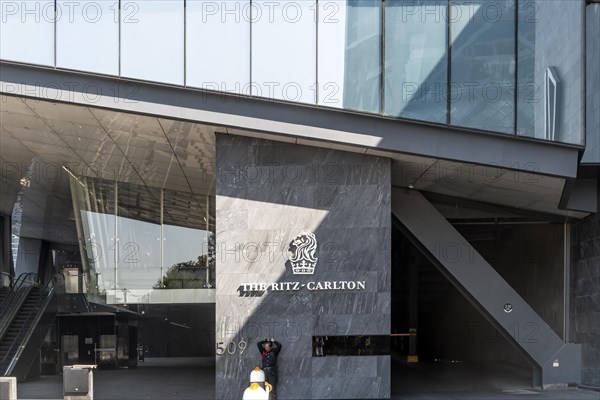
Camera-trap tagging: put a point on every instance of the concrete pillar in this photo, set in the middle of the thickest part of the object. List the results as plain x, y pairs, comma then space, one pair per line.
8, 388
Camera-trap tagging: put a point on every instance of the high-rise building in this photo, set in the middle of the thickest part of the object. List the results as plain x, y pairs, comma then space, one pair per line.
373, 183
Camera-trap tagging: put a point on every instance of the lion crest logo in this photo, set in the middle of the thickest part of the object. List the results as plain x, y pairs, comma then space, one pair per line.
304, 248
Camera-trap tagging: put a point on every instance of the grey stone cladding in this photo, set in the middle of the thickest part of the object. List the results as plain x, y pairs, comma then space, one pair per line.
268, 193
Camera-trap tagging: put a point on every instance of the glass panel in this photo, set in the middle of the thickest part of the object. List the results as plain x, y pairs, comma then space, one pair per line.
350, 54
152, 40
27, 31
550, 70
218, 32
483, 64
126, 262
332, 52
592, 144
95, 219
187, 262
139, 267
416, 71
284, 50
87, 36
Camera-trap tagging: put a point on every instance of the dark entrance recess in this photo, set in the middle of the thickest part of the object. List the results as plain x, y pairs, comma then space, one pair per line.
434, 327
176, 330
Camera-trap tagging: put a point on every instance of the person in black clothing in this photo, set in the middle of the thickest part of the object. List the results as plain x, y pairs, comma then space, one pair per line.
269, 350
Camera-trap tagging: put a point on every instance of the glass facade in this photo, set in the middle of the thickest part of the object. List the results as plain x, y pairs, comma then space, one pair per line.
86, 34
143, 244
550, 70
349, 54
27, 31
503, 66
152, 40
229, 30
416, 48
284, 50
483, 65
592, 146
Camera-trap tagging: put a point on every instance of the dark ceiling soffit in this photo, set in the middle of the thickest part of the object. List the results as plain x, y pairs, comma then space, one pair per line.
588, 171
581, 194
397, 136
437, 198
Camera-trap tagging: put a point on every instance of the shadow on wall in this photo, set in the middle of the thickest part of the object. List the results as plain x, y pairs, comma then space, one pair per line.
272, 195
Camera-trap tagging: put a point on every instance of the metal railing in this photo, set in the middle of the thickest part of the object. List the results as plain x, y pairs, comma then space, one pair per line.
30, 323
18, 292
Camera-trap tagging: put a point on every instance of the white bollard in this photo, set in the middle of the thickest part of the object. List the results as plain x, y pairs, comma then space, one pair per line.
8, 388
78, 382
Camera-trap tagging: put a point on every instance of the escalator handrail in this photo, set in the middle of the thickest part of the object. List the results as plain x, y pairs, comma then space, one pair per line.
18, 283
31, 322
15, 297
12, 308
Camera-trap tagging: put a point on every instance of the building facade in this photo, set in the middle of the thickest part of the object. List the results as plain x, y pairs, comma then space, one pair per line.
364, 180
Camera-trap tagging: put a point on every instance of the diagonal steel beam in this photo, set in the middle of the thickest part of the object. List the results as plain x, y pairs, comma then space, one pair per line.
555, 362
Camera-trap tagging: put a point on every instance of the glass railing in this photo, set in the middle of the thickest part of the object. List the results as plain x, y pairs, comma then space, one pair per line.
506, 66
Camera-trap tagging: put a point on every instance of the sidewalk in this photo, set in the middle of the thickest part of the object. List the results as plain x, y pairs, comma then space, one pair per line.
157, 378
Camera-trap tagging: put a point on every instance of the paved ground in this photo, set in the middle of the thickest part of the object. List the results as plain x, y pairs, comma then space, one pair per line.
453, 381
193, 378
158, 378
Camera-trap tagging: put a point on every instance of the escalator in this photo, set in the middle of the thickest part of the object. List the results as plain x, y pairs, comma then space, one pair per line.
27, 314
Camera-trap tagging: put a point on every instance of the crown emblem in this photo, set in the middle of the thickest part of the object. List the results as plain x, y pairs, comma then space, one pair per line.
303, 259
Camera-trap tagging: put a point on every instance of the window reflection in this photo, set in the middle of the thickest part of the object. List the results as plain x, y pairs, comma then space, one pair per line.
152, 40
87, 36
550, 108
141, 243
483, 64
284, 50
416, 73
27, 31
362, 72
332, 52
592, 143
218, 45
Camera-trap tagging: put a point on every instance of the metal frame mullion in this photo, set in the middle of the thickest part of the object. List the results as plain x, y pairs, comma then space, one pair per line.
250, 23
317, 20
449, 62
382, 64
184, 44
516, 105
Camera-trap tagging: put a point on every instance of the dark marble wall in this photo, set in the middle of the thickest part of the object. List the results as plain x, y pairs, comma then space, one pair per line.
267, 194
585, 295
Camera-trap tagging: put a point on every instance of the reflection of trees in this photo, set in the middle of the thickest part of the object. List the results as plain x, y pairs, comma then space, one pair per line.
192, 274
